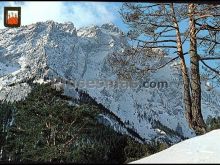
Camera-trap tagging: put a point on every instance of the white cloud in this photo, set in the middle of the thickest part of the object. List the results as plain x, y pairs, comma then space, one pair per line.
90, 13
80, 13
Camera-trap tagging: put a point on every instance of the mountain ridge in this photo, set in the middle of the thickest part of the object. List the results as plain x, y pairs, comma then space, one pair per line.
48, 50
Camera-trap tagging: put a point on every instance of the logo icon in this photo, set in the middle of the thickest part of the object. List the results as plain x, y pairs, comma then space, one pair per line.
12, 16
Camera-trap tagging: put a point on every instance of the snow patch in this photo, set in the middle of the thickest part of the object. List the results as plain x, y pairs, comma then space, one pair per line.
200, 149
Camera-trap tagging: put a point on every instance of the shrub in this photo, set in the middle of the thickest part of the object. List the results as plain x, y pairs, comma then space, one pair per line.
213, 123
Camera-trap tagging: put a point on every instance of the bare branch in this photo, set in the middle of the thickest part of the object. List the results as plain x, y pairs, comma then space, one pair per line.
207, 15
162, 46
206, 39
210, 58
163, 64
208, 27
149, 42
183, 53
162, 25
212, 69
165, 30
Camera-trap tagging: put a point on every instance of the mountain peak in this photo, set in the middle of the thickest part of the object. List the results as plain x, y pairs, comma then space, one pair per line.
111, 27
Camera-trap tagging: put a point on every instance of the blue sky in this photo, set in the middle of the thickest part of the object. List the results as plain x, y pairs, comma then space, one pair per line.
80, 13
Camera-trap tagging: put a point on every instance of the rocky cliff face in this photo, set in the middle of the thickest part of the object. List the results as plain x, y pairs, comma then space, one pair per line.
92, 57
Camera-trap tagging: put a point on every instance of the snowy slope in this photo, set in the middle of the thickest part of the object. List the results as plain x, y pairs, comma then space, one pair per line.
53, 50
200, 149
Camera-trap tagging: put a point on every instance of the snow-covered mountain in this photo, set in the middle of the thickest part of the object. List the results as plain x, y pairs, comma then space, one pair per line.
200, 149
49, 50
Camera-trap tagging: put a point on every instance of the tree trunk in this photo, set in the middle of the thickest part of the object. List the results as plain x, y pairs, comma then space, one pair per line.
198, 123
185, 74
